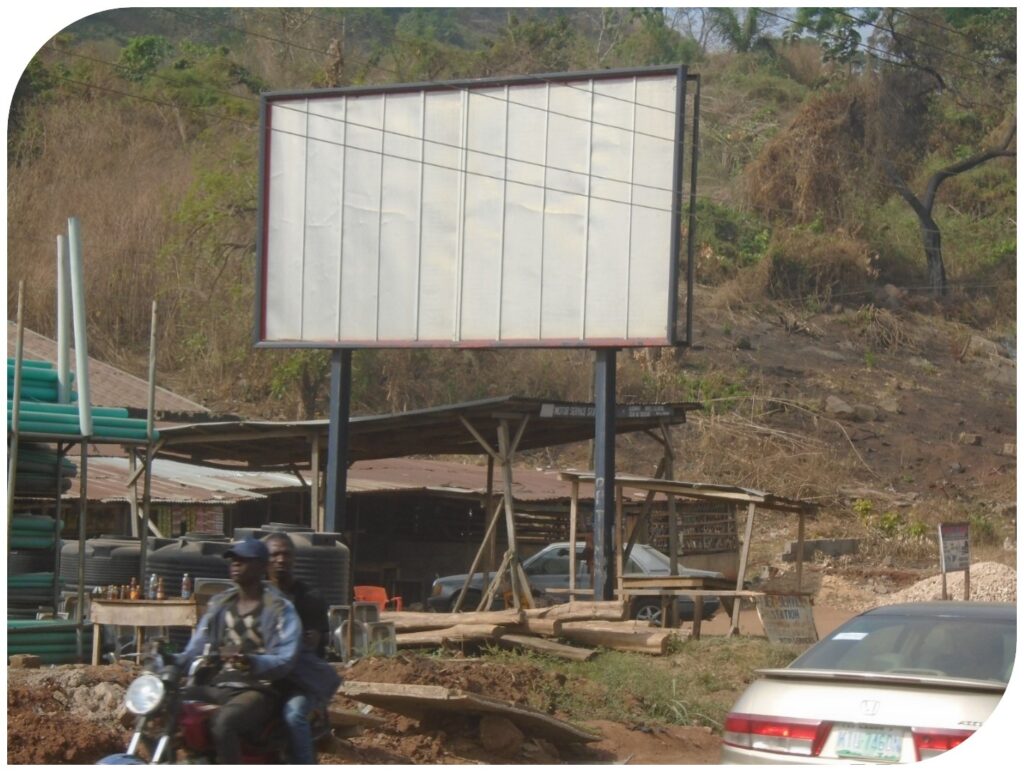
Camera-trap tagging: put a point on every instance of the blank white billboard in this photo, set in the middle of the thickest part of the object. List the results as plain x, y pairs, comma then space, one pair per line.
537, 211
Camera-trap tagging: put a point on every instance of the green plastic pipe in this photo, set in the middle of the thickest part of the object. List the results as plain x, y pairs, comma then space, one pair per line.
56, 409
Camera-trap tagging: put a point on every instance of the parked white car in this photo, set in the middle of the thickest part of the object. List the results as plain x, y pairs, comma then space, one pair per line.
898, 683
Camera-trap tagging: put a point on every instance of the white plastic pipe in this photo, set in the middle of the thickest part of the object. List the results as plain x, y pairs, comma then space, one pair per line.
63, 322
77, 276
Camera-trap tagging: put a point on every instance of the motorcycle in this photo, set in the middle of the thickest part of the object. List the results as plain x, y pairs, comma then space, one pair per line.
172, 729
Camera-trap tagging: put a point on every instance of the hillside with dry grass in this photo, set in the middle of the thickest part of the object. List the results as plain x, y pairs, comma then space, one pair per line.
828, 365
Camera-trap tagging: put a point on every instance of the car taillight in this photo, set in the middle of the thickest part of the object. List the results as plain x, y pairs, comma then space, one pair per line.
796, 736
931, 742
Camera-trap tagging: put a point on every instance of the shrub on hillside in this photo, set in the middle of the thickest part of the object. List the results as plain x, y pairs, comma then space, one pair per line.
804, 266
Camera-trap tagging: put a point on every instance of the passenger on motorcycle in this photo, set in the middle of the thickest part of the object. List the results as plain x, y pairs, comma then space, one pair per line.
311, 683
257, 633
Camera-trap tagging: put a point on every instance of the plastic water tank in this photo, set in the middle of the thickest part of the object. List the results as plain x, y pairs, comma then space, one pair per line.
321, 560
201, 555
109, 559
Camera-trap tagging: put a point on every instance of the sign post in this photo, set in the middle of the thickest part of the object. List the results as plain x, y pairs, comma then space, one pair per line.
955, 554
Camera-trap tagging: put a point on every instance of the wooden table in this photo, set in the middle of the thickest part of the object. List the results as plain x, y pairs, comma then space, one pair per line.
697, 587
140, 614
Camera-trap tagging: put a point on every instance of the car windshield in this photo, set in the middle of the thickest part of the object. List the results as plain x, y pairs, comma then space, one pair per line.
981, 649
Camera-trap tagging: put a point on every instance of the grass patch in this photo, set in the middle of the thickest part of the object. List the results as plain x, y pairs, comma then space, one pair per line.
695, 685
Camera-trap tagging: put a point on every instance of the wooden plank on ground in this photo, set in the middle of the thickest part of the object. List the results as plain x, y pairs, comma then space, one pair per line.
621, 636
414, 621
543, 646
454, 634
339, 717
419, 700
530, 626
580, 609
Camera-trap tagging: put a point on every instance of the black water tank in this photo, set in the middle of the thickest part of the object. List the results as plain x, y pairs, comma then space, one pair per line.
109, 559
200, 555
321, 560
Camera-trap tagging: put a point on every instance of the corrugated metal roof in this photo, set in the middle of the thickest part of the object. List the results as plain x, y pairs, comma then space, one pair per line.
432, 431
176, 483
452, 478
108, 386
173, 482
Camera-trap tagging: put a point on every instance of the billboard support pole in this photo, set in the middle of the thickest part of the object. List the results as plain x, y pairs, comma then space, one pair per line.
604, 473
337, 440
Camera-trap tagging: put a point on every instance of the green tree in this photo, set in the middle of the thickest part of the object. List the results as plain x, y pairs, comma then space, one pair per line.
142, 56
924, 56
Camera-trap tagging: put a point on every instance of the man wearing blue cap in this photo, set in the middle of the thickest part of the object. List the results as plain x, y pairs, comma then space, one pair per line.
257, 633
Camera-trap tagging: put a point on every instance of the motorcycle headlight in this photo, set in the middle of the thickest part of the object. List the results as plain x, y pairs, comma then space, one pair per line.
144, 695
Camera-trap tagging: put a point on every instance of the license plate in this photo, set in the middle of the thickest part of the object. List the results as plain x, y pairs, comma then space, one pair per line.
862, 742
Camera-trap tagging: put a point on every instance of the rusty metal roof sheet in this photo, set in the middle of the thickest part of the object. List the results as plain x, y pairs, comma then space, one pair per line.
108, 385
173, 482
176, 483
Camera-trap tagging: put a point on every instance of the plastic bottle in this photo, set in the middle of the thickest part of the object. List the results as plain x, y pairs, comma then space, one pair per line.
134, 592
160, 589
186, 587
151, 590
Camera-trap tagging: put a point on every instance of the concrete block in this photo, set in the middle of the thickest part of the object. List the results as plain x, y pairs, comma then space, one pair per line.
831, 547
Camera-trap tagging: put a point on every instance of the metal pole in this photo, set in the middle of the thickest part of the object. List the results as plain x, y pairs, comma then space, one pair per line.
691, 231
337, 440
63, 321
81, 345
83, 508
604, 473
150, 418
56, 527
12, 461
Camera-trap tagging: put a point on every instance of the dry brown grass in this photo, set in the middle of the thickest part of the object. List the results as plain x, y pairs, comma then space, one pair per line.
120, 172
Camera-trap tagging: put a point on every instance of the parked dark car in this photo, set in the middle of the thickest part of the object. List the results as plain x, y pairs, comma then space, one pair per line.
548, 574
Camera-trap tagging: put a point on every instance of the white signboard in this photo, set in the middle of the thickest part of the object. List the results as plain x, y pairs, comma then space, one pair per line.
787, 618
954, 546
538, 211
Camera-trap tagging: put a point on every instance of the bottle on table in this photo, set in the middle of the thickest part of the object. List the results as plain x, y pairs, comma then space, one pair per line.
160, 589
186, 586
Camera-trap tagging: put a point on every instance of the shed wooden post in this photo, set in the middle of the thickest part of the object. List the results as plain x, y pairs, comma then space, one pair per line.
800, 553
574, 503
314, 484
741, 573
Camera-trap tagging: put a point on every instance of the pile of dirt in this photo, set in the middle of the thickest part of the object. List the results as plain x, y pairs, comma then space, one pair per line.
451, 739
65, 715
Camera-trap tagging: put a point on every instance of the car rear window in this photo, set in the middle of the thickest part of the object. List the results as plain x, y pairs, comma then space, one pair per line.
980, 649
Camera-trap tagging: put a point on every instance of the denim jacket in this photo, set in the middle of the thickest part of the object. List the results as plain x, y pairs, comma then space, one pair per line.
279, 626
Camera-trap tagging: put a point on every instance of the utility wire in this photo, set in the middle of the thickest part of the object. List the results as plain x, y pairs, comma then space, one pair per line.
548, 81
896, 35
251, 125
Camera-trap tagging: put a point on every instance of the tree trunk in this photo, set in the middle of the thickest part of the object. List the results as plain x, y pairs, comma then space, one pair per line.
931, 238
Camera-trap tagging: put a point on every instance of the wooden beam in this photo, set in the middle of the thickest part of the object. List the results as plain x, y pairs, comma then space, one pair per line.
734, 627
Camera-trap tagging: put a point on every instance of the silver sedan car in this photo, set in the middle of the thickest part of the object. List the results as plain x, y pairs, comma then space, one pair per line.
898, 683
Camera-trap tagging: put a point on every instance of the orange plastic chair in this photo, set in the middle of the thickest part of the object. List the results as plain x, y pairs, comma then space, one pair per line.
369, 593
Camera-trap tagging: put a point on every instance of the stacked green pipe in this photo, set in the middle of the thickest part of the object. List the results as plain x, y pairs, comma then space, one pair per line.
39, 412
54, 641
38, 381
33, 532
37, 471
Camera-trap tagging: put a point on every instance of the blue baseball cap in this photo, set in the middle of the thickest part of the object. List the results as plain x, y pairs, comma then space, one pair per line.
249, 549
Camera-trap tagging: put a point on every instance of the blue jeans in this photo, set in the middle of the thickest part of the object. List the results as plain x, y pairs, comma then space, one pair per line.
296, 717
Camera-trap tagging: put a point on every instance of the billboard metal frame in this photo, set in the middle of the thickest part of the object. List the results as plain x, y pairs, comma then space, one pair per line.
673, 337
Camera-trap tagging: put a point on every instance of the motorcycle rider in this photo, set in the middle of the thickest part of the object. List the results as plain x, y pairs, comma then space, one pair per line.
257, 632
312, 682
